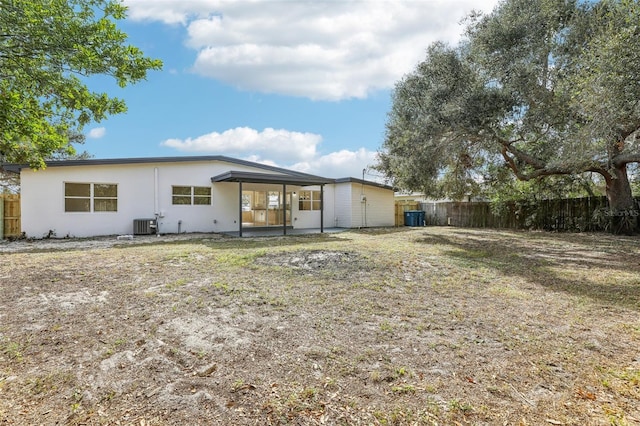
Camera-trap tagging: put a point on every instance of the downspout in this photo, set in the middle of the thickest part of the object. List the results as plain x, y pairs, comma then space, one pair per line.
335, 211
156, 210
363, 203
321, 208
156, 202
240, 208
284, 214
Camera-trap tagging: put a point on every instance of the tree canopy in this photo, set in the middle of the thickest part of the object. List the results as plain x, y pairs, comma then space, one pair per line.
48, 48
537, 87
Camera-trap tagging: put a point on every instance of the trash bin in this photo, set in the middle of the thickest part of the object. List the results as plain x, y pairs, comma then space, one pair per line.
409, 219
414, 218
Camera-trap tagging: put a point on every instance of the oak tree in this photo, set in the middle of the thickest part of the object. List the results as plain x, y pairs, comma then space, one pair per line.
537, 87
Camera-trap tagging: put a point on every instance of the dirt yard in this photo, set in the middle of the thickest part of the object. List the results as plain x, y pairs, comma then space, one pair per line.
425, 326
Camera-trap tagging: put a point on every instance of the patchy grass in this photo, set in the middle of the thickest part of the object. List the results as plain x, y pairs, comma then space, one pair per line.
427, 326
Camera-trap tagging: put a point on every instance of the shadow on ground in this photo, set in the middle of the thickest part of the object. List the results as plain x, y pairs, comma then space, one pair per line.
549, 260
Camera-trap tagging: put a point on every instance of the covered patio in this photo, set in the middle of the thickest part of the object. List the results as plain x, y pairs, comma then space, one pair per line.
274, 213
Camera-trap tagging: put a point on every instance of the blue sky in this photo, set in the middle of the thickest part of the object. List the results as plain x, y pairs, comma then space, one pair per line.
304, 85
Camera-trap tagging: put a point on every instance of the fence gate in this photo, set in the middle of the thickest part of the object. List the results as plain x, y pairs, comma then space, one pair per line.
403, 206
9, 215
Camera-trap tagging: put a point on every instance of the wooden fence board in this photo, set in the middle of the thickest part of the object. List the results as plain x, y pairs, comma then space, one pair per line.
571, 214
10, 220
404, 206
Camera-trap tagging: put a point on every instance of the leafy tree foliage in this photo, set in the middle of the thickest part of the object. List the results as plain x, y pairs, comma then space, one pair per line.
65, 153
542, 88
48, 48
10, 181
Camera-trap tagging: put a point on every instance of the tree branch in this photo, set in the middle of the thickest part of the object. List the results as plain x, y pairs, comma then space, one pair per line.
507, 147
541, 169
536, 173
623, 159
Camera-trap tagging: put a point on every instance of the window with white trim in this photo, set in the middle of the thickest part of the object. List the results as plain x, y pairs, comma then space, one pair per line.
90, 197
191, 195
309, 200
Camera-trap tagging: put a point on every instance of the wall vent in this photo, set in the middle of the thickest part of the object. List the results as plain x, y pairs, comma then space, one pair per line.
144, 226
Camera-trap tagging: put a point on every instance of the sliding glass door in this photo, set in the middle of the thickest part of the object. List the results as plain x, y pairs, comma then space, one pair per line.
265, 208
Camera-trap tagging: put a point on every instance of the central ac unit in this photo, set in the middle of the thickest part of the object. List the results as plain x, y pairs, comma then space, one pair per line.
144, 226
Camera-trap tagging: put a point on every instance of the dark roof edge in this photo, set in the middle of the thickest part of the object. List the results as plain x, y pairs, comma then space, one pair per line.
365, 182
252, 177
146, 160
13, 168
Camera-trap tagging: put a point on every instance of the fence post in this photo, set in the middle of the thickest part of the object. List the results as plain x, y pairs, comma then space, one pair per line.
1, 217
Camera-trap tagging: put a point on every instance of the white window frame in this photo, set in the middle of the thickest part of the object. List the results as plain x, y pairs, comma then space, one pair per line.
192, 196
312, 202
91, 198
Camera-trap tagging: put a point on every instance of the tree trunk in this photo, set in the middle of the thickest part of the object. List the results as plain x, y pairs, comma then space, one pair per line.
622, 209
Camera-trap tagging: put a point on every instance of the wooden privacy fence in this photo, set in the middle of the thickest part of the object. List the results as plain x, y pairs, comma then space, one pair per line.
405, 206
571, 214
9, 216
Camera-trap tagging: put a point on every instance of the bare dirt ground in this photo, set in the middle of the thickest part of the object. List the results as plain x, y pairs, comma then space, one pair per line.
427, 326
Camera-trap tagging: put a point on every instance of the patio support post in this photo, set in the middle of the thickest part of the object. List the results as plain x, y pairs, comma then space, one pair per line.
240, 208
321, 209
284, 213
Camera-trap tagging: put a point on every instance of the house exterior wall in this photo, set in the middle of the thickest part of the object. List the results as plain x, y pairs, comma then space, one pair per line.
225, 198
379, 206
343, 215
311, 218
145, 191
352, 212
42, 199
359, 211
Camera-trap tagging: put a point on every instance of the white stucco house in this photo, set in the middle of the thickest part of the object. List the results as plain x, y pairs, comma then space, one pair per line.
83, 198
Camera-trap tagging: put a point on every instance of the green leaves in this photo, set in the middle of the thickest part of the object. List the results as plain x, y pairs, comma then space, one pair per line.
539, 88
46, 48
607, 88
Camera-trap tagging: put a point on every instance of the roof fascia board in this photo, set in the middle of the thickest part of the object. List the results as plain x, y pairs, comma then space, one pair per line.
149, 160
251, 177
365, 182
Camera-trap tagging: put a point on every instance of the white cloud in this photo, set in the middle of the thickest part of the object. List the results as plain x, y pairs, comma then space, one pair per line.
280, 148
97, 133
325, 50
169, 11
268, 144
343, 163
